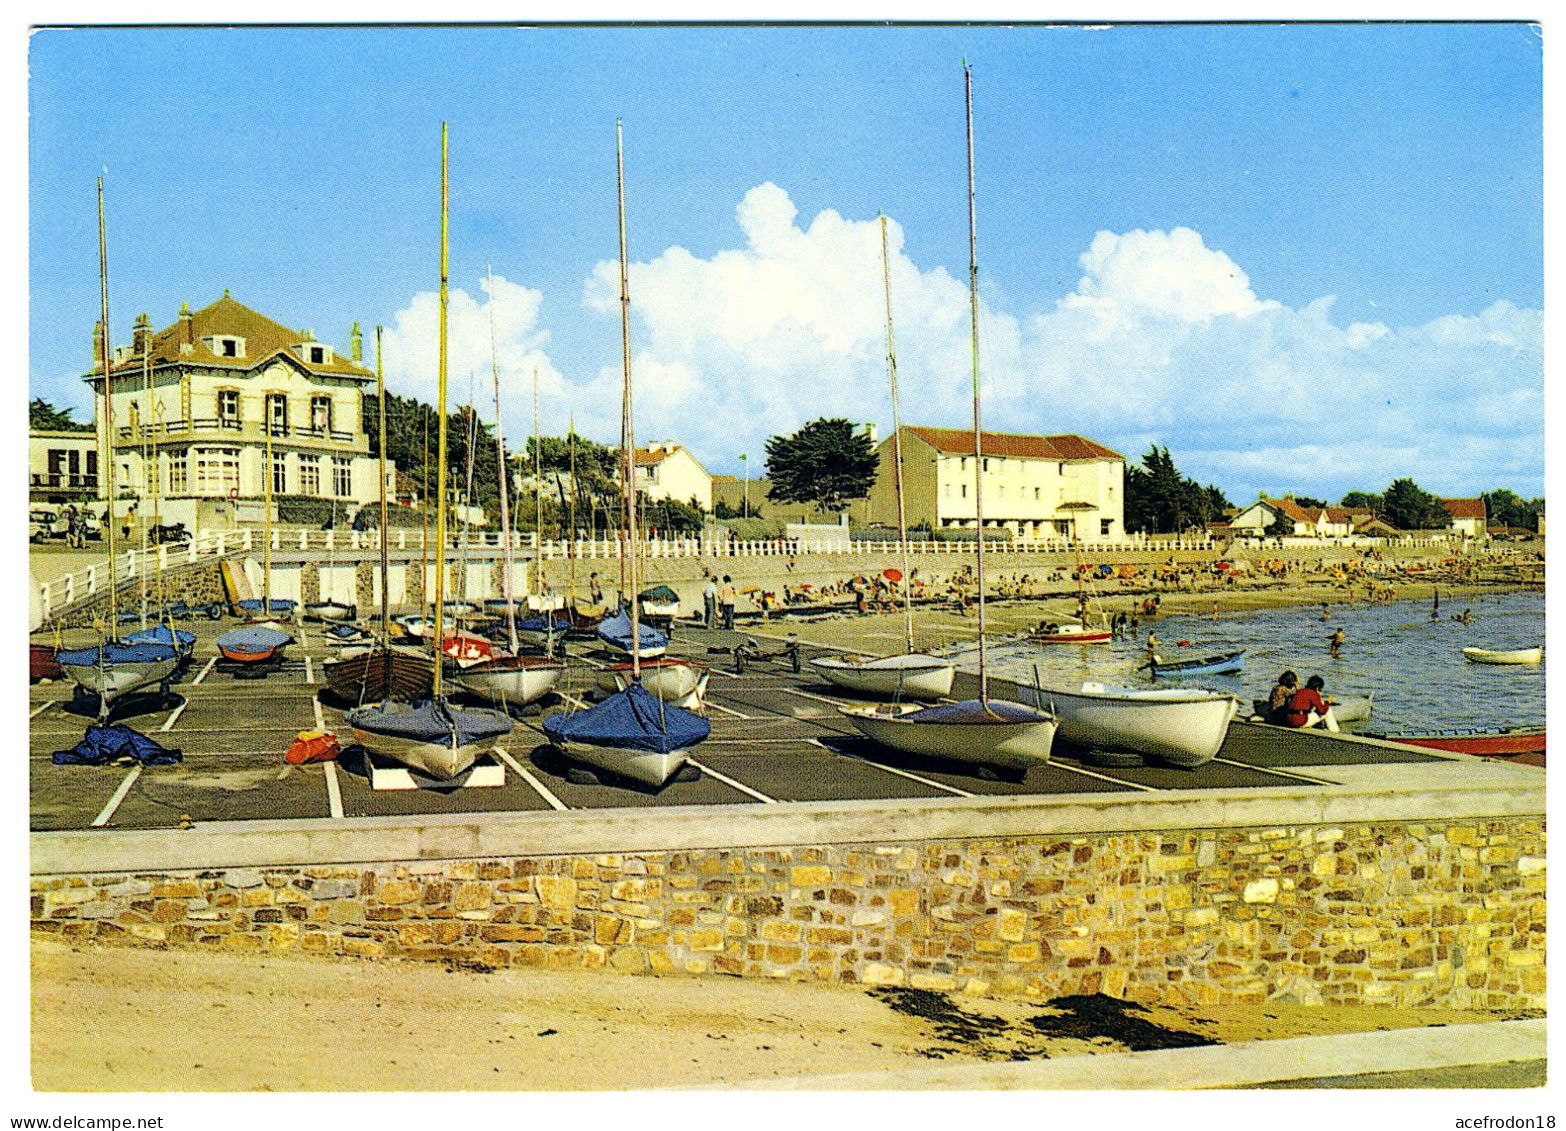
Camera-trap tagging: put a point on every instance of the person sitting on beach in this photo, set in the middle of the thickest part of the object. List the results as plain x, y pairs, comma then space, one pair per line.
1307, 707
1278, 699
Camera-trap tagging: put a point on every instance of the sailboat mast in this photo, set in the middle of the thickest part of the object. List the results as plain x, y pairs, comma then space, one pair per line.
106, 460
978, 445
897, 440
500, 457
380, 393
152, 420
629, 429
266, 521
440, 473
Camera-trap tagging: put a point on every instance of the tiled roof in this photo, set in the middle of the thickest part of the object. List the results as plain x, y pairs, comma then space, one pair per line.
264, 338
957, 441
1465, 508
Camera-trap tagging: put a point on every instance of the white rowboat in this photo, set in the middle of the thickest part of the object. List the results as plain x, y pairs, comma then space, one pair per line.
911, 675
996, 733
1182, 726
1519, 656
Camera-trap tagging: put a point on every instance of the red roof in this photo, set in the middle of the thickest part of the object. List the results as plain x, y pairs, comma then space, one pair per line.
957, 441
1465, 508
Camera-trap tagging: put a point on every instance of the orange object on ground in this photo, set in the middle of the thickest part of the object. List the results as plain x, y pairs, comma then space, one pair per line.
313, 746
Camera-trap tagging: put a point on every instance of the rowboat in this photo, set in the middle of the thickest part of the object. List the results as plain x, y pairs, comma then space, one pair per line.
41, 663
253, 644
674, 681
911, 675
1071, 634
1518, 656
1181, 726
1208, 665
329, 610
1505, 743
368, 675
433, 737
992, 733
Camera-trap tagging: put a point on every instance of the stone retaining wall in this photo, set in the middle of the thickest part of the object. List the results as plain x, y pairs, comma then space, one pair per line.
1438, 913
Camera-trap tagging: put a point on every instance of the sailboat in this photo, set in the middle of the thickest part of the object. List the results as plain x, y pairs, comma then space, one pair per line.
431, 735
114, 668
382, 670
262, 639
329, 608
549, 620
975, 730
909, 674
633, 732
510, 678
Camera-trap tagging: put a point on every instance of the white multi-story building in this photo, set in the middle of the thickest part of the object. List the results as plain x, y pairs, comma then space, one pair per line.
209, 392
1062, 486
666, 470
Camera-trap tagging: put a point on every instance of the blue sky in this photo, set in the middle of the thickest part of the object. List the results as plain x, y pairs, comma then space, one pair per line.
1302, 257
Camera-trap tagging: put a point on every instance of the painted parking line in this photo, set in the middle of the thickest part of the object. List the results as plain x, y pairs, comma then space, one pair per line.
334, 792
204, 671
922, 780
730, 782
1070, 769
168, 724
40, 710
728, 711
538, 787
315, 704
309, 671
1274, 770
114, 802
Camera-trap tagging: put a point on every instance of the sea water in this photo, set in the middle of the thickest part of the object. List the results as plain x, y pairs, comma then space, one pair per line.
1412, 664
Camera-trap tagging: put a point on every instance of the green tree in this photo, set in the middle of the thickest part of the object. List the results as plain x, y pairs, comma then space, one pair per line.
670, 516
1407, 507
1362, 500
1310, 504
597, 481
412, 442
1506, 508
1159, 500
826, 462
723, 510
44, 417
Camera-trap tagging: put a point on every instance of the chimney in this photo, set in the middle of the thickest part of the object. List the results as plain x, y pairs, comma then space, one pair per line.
187, 329
141, 338
356, 344
97, 344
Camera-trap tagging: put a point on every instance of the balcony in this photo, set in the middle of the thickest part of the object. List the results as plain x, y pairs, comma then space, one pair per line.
229, 428
64, 481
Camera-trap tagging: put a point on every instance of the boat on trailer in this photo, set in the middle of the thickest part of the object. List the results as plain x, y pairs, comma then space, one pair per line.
254, 644
114, 669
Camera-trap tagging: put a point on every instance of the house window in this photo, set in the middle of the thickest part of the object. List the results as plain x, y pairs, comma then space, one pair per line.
310, 476
965, 490
1063, 469
279, 474
1103, 526
1035, 494
217, 470
342, 477
179, 474
277, 413
317, 355
228, 408
321, 415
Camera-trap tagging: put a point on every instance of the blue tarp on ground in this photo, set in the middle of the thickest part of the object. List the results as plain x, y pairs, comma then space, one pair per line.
633, 719
431, 721
104, 744
615, 631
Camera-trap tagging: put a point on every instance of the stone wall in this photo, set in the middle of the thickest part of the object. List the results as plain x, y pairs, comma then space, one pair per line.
1438, 913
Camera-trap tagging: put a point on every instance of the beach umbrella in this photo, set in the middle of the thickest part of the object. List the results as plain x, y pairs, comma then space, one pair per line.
892, 575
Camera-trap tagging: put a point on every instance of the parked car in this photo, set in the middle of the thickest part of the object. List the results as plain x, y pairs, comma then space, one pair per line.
43, 523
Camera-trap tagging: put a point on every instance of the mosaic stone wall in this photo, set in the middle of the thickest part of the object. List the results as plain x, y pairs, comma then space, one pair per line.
1430, 914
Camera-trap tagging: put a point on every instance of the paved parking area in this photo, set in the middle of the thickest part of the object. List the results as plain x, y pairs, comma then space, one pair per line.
777, 737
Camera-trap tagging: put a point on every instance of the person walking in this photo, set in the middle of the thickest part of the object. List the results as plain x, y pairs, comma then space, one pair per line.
726, 599
709, 603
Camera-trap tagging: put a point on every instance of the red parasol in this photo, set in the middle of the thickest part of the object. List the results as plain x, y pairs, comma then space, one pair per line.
892, 575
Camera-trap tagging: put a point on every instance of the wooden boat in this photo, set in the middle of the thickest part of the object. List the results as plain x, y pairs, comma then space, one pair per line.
368, 675
465, 649
1207, 665
1181, 726
974, 730
994, 732
1506, 743
909, 675
1071, 633
42, 664
1517, 656
672, 680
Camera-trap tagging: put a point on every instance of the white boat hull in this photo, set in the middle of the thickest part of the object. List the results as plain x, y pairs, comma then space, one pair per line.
443, 758
511, 685
111, 682
912, 675
645, 766
1520, 656
1010, 744
1182, 727
681, 684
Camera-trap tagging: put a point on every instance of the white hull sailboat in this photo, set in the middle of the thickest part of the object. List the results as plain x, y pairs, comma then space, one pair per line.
974, 730
909, 675
112, 671
1182, 726
673, 681
511, 679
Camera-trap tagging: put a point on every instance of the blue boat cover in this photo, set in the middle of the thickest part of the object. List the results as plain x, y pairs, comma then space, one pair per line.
633, 719
114, 653
255, 638
431, 720
104, 744
977, 713
557, 620
345, 631
615, 631
278, 605
176, 638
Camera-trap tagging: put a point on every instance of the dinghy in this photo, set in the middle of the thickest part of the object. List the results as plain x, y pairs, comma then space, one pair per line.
1221, 664
432, 736
1517, 656
114, 669
674, 681
182, 641
616, 633
1071, 633
908, 675
330, 610
254, 644
510, 679
368, 675
1182, 726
